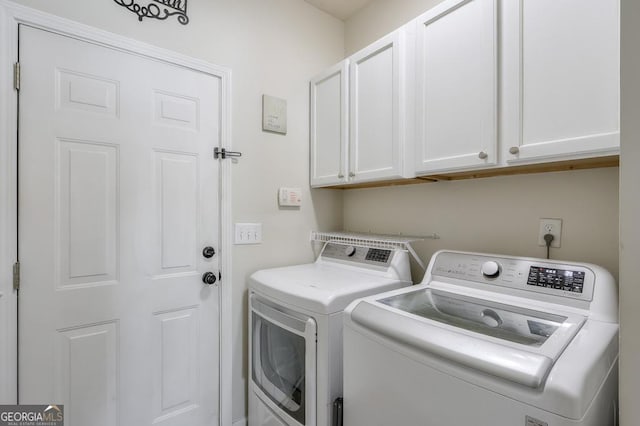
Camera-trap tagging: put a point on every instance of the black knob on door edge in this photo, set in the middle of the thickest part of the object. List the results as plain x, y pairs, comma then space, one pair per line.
208, 252
209, 278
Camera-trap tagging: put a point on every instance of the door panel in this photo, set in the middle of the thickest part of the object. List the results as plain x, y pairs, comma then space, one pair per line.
87, 373
87, 240
456, 83
584, 103
561, 78
373, 121
176, 211
118, 195
177, 337
375, 149
174, 110
85, 92
329, 126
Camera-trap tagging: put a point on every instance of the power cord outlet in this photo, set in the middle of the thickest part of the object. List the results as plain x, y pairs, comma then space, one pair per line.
552, 227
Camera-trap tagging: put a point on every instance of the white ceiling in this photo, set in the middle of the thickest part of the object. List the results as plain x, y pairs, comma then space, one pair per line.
341, 9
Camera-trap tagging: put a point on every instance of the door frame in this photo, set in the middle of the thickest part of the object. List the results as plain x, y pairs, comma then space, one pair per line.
12, 15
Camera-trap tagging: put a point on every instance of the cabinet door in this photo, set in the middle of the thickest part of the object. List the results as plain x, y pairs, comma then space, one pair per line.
561, 79
377, 110
329, 127
456, 86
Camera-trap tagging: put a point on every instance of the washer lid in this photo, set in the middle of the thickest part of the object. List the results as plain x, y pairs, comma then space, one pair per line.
506, 322
320, 287
507, 341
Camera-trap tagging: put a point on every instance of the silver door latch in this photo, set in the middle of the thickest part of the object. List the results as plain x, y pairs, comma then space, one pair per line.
223, 153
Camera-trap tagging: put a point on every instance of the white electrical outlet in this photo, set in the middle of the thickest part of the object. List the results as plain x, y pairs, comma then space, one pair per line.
248, 233
553, 227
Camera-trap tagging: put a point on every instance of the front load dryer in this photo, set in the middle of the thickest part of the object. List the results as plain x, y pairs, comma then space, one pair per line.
486, 340
295, 328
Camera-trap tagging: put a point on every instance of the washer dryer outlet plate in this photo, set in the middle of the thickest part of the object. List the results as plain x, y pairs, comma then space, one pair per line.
553, 227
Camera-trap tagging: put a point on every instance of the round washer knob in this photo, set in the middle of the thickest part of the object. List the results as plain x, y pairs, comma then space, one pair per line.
491, 269
491, 318
350, 251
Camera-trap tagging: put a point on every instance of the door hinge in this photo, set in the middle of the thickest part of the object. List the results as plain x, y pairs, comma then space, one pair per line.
16, 276
16, 76
223, 153
219, 276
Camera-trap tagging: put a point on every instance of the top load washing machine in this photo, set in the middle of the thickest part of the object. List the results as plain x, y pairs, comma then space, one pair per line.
295, 350
486, 340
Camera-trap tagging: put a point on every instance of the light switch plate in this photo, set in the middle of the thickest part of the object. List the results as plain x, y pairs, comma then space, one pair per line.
248, 233
274, 114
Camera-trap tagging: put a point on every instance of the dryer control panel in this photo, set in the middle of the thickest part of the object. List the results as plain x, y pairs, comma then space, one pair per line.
537, 275
358, 254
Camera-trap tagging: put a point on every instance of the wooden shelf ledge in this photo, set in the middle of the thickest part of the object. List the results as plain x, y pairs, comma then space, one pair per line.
557, 166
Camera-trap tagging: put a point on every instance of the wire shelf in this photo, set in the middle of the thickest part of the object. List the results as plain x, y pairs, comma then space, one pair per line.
371, 240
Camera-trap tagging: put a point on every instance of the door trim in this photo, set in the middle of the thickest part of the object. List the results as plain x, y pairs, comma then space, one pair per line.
12, 15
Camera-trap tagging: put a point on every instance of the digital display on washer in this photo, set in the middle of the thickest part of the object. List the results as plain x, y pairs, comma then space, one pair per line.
378, 255
559, 279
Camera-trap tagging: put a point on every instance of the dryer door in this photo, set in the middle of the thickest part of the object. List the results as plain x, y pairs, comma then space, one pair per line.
283, 360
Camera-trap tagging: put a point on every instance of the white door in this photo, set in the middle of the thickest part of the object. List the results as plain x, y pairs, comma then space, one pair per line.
561, 79
118, 196
329, 126
456, 81
377, 110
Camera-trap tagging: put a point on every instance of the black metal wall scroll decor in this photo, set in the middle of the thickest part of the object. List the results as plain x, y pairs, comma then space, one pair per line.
157, 9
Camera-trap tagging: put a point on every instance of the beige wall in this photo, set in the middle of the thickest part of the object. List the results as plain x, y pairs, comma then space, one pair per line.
629, 216
499, 214
380, 17
272, 47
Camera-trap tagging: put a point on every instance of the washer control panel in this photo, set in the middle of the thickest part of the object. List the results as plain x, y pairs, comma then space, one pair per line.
559, 279
358, 254
537, 275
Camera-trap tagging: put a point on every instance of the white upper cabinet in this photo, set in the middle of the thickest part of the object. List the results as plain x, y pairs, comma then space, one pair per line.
329, 126
378, 110
361, 116
560, 79
456, 86
469, 85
